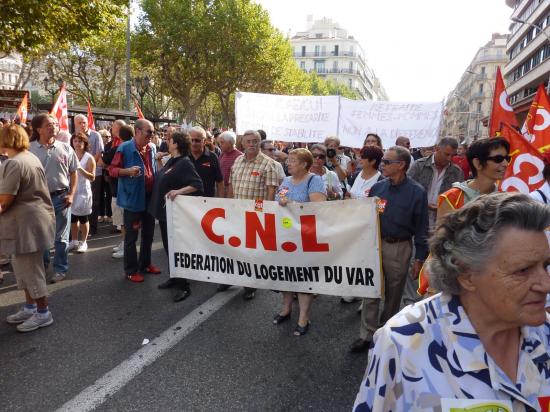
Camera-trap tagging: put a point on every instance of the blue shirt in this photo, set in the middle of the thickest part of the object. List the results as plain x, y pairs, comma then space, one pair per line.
300, 192
405, 213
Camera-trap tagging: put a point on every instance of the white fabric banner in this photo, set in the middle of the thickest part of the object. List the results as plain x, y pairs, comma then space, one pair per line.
287, 118
329, 248
310, 119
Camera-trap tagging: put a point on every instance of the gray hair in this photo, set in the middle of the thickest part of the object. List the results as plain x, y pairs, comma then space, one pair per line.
120, 122
403, 155
254, 133
199, 130
81, 116
228, 136
448, 141
318, 146
466, 238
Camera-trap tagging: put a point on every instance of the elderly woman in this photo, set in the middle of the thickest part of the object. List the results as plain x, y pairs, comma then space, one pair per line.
330, 178
486, 335
27, 225
301, 186
177, 177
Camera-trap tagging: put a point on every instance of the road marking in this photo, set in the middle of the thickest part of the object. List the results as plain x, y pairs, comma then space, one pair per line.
114, 380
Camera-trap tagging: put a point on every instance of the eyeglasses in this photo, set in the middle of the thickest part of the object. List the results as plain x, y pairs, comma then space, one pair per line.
196, 140
389, 161
500, 158
319, 156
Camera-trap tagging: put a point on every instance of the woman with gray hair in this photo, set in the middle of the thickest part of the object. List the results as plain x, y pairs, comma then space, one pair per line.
486, 335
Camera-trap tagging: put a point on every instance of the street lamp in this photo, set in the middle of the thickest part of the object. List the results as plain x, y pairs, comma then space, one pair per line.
49, 85
142, 86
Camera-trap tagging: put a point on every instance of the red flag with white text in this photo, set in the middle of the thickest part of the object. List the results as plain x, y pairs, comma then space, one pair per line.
536, 128
524, 172
91, 121
60, 111
138, 110
22, 109
501, 111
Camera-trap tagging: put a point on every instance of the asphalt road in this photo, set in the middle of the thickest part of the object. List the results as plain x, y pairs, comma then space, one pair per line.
230, 359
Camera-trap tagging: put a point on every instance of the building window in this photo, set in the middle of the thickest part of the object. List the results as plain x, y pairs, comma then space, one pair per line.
3, 77
318, 35
350, 66
336, 50
323, 50
479, 107
349, 82
317, 50
481, 88
335, 65
303, 51
319, 66
9, 77
483, 70
303, 65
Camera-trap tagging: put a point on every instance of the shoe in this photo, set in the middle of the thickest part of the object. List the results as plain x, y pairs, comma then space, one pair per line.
182, 294
19, 317
249, 294
170, 283
301, 330
347, 299
100, 219
58, 277
73, 244
360, 345
278, 319
152, 269
135, 277
222, 288
108, 219
82, 247
118, 254
37, 320
118, 247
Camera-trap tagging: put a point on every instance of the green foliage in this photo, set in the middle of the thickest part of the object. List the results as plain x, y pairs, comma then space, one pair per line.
28, 25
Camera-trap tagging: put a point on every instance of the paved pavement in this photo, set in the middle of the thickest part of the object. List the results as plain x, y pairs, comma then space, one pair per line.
209, 352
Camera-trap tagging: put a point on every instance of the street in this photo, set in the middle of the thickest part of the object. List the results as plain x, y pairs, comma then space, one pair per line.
213, 351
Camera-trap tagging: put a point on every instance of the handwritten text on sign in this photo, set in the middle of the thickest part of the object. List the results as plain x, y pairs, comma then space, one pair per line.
327, 247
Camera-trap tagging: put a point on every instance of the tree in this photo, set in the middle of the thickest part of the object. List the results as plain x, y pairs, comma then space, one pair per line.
28, 25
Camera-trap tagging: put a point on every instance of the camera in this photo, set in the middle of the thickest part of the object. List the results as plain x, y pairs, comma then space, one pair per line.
331, 153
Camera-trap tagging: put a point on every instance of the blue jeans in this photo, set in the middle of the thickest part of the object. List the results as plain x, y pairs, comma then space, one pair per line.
62, 230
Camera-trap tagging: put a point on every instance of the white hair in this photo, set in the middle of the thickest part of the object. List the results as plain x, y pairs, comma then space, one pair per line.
81, 116
199, 130
228, 136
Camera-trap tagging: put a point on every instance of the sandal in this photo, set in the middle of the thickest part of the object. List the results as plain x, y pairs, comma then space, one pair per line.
280, 318
301, 330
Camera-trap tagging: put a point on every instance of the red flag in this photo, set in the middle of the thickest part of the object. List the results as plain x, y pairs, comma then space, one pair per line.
59, 110
536, 128
91, 121
524, 173
138, 110
22, 109
501, 111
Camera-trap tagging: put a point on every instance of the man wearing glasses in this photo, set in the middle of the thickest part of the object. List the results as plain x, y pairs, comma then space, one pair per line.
403, 208
206, 163
268, 149
135, 167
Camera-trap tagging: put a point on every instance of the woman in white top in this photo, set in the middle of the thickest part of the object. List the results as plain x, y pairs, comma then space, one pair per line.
81, 208
330, 178
369, 173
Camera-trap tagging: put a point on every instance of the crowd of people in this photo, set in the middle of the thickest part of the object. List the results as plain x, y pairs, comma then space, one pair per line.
125, 176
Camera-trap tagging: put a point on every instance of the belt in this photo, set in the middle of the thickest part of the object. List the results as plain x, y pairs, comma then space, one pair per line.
396, 239
58, 192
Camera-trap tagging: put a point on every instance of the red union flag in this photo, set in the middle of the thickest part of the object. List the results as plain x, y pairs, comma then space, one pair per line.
536, 128
524, 173
138, 110
91, 121
59, 110
22, 110
501, 111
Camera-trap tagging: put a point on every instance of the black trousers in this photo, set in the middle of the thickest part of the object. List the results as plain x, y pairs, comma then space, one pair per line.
97, 194
105, 201
133, 223
181, 283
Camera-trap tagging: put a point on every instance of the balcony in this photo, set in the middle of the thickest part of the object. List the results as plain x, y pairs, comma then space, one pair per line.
331, 53
334, 71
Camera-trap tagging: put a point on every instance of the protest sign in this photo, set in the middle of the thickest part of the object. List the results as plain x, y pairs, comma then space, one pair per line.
287, 118
323, 247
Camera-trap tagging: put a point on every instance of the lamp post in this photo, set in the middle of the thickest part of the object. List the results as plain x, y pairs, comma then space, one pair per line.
142, 86
49, 85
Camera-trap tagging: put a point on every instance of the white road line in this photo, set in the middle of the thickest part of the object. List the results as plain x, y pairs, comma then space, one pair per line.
114, 380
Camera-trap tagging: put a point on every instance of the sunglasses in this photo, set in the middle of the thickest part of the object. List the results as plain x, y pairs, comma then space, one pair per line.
319, 156
389, 161
499, 158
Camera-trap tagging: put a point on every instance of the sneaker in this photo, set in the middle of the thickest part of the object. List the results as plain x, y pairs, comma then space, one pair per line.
58, 277
73, 244
100, 219
136, 277
37, 320
21, 316
118, 254
152, 269
118, 247
82, 247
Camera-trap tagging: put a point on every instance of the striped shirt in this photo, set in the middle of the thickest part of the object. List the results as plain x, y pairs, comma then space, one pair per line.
250, 178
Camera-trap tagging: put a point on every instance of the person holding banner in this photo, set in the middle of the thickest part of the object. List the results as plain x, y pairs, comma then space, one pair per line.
177, 177
362, 181
301, 186
486, 335
403, 208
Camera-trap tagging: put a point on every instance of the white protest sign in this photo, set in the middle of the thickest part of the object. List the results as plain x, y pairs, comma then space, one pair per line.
329, 248
287, 118
420, 122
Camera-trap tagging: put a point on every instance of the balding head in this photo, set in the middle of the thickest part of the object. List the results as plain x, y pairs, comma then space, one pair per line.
80, 123
144, 132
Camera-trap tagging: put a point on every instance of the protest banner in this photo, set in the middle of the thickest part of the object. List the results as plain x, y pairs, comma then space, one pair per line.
420, 122
287, 118
329, 248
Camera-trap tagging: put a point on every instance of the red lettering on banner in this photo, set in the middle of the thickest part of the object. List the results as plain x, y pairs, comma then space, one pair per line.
207, 222
544, 402
267, 233
309, 235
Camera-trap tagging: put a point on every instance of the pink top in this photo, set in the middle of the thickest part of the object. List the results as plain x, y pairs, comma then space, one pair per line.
226, 161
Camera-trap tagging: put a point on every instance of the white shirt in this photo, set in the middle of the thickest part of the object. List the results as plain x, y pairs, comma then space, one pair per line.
332, 182
545, 188
361, 187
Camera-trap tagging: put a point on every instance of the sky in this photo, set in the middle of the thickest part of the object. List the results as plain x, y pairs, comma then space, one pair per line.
418, 49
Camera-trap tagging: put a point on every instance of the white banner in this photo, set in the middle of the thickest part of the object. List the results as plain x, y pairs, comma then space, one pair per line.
418, 121
287, 118
310, 119
329, 248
